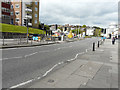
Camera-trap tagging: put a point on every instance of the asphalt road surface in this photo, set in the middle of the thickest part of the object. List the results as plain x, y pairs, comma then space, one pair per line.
23, 64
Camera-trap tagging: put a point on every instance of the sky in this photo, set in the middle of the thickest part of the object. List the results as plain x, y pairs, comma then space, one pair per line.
79, 12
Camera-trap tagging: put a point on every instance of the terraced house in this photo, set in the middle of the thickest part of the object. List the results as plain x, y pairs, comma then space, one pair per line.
25, 10
5, 11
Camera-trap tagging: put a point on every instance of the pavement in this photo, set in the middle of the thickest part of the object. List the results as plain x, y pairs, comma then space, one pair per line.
11, 43
92, 69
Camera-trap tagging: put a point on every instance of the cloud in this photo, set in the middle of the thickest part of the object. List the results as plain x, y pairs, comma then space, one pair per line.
99, 13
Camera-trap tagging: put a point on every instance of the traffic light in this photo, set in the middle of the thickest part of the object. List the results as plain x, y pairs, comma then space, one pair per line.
25, 22
46, 33
56, 26
65, 28
42, 24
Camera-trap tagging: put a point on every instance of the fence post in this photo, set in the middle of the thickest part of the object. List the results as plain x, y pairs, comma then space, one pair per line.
31, 41
3, 40
20, 39
93, 46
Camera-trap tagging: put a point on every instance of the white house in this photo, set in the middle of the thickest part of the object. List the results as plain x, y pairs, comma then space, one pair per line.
112, 30
90, 31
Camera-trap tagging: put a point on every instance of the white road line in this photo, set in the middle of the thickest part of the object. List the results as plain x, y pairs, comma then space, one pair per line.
50, 70
44, 51
19, 48
23, 56
86, 50
21, 84
11, 58
30, 54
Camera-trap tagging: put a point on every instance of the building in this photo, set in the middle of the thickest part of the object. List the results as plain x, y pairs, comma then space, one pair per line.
21, 11
16, 13
112, 30
90, 31
5, 11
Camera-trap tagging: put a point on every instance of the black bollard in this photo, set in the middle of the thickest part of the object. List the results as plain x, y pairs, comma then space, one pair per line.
98, 44
93, 46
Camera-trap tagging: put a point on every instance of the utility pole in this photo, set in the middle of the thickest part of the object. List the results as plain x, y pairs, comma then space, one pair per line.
27, 26
78, 31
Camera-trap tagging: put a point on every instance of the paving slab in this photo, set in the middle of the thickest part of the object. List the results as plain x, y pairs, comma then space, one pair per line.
74, 81
72, 67
98, 83
89, 70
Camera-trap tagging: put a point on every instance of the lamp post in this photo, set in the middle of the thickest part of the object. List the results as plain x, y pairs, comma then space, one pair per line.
27, 30
27, 26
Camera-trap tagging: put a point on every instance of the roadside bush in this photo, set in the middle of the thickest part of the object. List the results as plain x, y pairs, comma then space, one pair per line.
19, 29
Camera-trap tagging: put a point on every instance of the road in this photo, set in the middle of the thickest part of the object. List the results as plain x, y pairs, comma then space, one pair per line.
23, 64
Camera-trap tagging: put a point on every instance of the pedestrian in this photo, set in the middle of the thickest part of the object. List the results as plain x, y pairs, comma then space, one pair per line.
116, 36
113, 40
104, 38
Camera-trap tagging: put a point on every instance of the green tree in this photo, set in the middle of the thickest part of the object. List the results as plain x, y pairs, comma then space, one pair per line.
47, 27
98, 32
84, 26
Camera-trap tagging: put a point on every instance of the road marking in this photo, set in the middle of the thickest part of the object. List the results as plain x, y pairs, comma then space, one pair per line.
11, 58
21, 84
19, 48
86, 50
46, 73
30, 54
75, 57
44, 51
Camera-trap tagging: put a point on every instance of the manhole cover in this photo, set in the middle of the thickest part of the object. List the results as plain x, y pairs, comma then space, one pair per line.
50, 81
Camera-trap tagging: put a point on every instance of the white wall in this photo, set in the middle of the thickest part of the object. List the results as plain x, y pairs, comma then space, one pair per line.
89, 31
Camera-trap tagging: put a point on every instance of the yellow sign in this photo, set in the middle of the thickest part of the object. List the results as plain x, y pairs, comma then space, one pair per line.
70, 34
39, 38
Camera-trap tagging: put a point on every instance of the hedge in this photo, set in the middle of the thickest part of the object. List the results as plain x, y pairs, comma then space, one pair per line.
19, 29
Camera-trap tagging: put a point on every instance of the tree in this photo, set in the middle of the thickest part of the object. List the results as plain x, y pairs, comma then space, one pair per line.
98, 32
47, 27
84, 26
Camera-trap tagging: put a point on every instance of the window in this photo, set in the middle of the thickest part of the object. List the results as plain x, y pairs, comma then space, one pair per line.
17, 13
5, 17
11, 6
36, 3
35, 15
5, 10
35, 21
17, 20
11, 13
16, 5
35, 9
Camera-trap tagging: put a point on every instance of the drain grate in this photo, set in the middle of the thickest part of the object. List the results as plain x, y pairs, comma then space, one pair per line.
51, 81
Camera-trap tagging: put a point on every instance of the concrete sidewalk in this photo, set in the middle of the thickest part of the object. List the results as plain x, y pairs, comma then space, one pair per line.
31, 45
97, 69
34, 43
